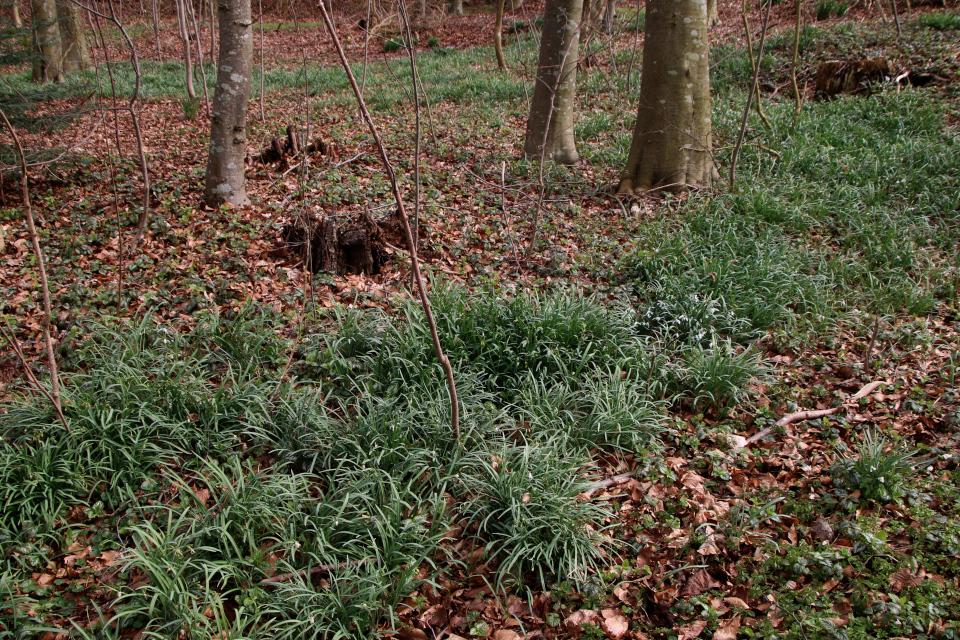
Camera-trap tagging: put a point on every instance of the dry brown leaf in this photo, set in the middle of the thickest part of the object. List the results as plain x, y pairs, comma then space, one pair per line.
712, 545
411, 633
692, 630
202, 495
580, 618
506, 634
614, 623
728, 630
698, 583
904, 579
734, 602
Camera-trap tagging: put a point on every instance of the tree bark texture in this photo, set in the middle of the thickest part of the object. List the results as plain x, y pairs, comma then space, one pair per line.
228, 124
46, 40
498, 36
550, 126
13, 8
713, 18
671, 144
456, 7
75, 55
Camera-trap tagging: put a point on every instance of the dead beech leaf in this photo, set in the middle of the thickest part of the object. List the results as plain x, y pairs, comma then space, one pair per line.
202, 495
904, 579
581, 617
506, 634
411, 633
711, 546
732, 601
614, 623
698, 583
109, 557
692, 630
775, 618
728, 630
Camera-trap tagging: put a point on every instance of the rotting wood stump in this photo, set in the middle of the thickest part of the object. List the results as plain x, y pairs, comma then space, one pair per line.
855, 77
339, 245
293, 146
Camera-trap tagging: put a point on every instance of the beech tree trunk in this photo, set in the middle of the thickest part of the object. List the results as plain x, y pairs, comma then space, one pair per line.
671, 144
456, 7
13, 8
713, 18
228, 123
609, 15
183, 29
73, 38
550, 126
46, 41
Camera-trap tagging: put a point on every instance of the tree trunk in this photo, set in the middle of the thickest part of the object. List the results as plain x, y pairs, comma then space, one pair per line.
456, 7
184, 31
13, 8
73, 38
672, 138
515, 4
609, 15
46, 40
228, 125
498, 36
550, 126
713, 19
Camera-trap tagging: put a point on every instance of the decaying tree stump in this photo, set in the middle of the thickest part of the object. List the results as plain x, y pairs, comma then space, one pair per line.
293, 146
855, 77
337, 246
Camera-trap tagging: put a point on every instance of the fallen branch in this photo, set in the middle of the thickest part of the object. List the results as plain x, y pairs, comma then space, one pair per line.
313, 571
800, 416
606, 484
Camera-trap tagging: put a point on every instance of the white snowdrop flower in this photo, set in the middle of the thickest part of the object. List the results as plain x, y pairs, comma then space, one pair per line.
880, 479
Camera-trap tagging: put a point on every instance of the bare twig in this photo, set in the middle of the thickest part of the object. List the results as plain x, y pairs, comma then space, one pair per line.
12, 340
401, 211
753, 90
44, 286
873, 339
795, 62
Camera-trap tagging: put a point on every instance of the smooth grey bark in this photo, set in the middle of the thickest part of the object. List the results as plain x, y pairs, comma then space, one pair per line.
550, 125
183, 30
671, 144
46, 41
456, 7
609, 15
13, 7
228, 124
75, 55
713, 18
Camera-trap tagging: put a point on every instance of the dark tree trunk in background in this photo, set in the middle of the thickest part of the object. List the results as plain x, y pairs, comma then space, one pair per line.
550, 126
75, 55
228, 124
672, 138
46, 41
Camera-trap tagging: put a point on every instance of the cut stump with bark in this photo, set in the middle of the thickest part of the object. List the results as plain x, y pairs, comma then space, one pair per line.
855, 77
337, 245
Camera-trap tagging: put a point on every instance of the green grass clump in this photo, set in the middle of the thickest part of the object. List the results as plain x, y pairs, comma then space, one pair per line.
939, 20
826, 9
880, 472
191, 442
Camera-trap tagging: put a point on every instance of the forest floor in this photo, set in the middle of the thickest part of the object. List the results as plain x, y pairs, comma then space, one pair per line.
256, 451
